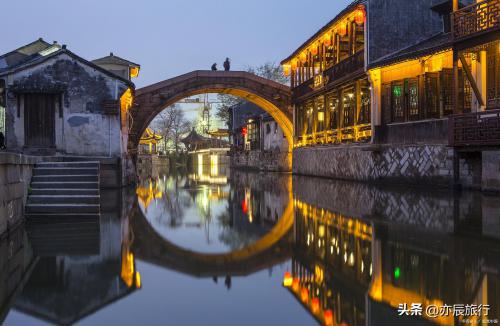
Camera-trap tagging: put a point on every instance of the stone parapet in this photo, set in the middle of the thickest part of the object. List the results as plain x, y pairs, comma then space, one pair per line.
261, 160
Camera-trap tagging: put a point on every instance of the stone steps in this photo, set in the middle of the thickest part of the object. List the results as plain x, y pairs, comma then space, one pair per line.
63, 199
66, 178
89, 164
64, 190
65, 171
65, 185
62, 208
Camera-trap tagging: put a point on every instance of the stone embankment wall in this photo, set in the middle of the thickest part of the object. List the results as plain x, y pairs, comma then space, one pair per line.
417, 164
432, 209
152, 165
15, 177
261, 160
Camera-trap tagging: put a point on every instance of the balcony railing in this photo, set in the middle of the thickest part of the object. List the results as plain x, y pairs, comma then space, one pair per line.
475, 129
342, 69
476, 19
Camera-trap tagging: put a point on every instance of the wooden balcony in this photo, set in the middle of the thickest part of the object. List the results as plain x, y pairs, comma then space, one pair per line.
477, 19
343, 69
475, 129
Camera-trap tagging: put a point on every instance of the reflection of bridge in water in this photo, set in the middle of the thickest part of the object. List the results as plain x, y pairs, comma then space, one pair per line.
270, 250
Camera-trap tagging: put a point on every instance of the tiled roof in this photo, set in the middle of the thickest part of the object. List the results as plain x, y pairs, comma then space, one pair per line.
436, 43
113, 59
23, 54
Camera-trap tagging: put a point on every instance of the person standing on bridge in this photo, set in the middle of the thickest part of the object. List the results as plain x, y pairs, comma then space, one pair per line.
214, 67
227, 64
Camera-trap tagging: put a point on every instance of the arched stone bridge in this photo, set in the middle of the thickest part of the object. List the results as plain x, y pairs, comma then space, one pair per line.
271, 96
268, 251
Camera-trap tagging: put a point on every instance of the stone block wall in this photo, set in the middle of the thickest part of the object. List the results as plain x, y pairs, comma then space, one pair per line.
261, 160
419, 164
432, 209
15, 177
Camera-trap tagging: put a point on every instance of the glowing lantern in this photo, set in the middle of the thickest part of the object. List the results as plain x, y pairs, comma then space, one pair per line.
287, 279
304, 294
244, 206
134, 72
314, 49
295, 284
286, 70
359, 16
138, 280
303, 56
328, 317
327, 40
343, 29
244, 131
315, 305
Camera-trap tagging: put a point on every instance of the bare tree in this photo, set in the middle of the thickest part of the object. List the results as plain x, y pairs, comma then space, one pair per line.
172, 125
269, 70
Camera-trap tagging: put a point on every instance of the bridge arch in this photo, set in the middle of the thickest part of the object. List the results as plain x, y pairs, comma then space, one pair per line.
273, 248
271, 96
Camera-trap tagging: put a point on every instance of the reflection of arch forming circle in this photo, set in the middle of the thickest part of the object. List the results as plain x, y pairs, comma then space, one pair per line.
271, 96
269, 250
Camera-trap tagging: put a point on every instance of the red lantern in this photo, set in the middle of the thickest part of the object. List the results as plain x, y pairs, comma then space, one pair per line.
327, 40
244, 131
343, 29
328, 317
296, 284
315, 305
304, 294
314, 49
244, 206
359, 16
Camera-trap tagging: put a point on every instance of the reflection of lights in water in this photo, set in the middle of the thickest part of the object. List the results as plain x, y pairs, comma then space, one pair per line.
345, 257
371, 269
351, 259
214, 165
128, 273
248, 201
362, 266
321, 231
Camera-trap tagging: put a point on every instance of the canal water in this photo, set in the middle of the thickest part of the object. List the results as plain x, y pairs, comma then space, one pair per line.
220, 247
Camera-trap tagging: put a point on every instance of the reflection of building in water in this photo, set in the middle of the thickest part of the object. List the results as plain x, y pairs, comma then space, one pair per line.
63, 289
150, 161
260, 200
340, 260
16, 266
148, 191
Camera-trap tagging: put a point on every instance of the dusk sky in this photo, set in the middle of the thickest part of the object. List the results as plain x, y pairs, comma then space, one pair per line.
169, 37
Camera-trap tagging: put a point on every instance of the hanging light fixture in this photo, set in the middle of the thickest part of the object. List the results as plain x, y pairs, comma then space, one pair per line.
303, 56
314, 49
359, 15
343, 29
327, 39
286, 70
